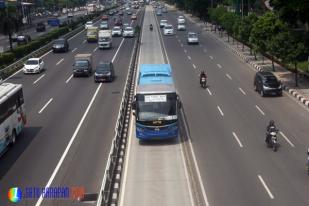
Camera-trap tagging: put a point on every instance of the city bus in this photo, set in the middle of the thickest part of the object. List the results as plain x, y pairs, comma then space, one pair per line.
12, 114
156, 103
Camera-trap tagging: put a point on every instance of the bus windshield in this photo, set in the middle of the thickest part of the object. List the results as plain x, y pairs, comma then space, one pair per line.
156, 107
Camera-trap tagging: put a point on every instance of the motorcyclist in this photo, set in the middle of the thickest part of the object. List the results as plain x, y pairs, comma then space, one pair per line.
202, 75
270, 127
150, 27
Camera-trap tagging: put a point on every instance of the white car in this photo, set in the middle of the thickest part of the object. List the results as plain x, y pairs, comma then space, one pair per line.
70, 15
33, 65
181, 20
88, 24
181, 27
116, 31
163, 22
128, 32
192, 38
168, 30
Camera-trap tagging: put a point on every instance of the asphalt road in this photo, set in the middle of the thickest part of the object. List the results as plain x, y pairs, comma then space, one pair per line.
66, 113
155, 172
4, 40
227, 124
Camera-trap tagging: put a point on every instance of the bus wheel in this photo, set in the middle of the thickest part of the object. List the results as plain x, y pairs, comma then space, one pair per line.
13, 138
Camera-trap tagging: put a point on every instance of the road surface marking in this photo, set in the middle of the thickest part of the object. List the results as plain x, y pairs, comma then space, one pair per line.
84, 41
49, 101
59, 61
266, 188
205, 50
228, 76
200, 45
95, 49
219, 66
260, 110
189, 57
181, 44
179, 40
209, 92
195, 164
220, 111
69, 79
74, 50
194, 66
242, 91
176, 36
38, 203
237, 139
285, 137
38, 79
185, 50
211, 57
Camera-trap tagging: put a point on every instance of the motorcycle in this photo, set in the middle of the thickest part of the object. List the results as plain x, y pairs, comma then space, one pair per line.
203, 82
150, 27
273, 140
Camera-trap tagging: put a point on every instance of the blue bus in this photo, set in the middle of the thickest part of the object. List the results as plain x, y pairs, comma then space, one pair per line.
156, 103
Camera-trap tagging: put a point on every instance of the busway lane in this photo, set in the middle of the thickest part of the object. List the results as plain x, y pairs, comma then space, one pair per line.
71, 102
154, 173
281, 161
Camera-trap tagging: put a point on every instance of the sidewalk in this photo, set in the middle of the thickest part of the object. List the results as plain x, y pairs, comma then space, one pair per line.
287, 78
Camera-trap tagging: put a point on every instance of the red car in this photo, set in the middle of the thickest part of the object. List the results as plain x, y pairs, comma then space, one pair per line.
104, 17
118, 22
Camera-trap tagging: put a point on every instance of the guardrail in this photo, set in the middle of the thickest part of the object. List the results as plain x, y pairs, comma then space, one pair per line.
110, 188
9, 70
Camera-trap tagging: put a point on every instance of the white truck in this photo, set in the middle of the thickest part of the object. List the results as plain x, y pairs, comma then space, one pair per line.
105, 39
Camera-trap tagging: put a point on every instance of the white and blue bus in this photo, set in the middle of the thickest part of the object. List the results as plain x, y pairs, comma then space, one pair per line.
156, 103
12, 114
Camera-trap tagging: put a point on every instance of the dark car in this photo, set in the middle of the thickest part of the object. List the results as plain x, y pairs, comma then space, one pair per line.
104, 72
40, 27
118, 22
23, 39
60, 45
266, 83
111, 13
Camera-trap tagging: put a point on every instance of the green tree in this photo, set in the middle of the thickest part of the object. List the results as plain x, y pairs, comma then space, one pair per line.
245, 28
10, 22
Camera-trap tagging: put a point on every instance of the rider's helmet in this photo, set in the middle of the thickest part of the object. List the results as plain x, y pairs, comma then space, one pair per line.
271, 123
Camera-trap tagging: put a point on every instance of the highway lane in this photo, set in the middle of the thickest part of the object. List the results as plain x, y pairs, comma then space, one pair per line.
39, 149
155, 173
4, 40
219, 154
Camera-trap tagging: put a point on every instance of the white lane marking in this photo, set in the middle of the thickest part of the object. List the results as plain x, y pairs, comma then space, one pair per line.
189, 57
179, 40
114, 57
39, 202
242, 91
194, 66
209, 92
237, 139
176, 36
59, 61
258, 108
220, 111
211, 57
219, 66
74, 50
265, 186
200, 45
228, 76
185, 50
205, 50
95, 49
84, 41
285, 137
181, 44
196, 165
49, 101
38, 79
69, 79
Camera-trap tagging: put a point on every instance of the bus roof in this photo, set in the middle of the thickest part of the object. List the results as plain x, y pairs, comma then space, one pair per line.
155, 74
7, 89
155, 89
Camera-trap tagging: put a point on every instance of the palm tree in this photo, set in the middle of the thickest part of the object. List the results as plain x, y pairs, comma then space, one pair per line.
10, 22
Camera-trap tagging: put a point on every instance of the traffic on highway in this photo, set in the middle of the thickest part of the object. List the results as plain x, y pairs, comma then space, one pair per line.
145, 105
